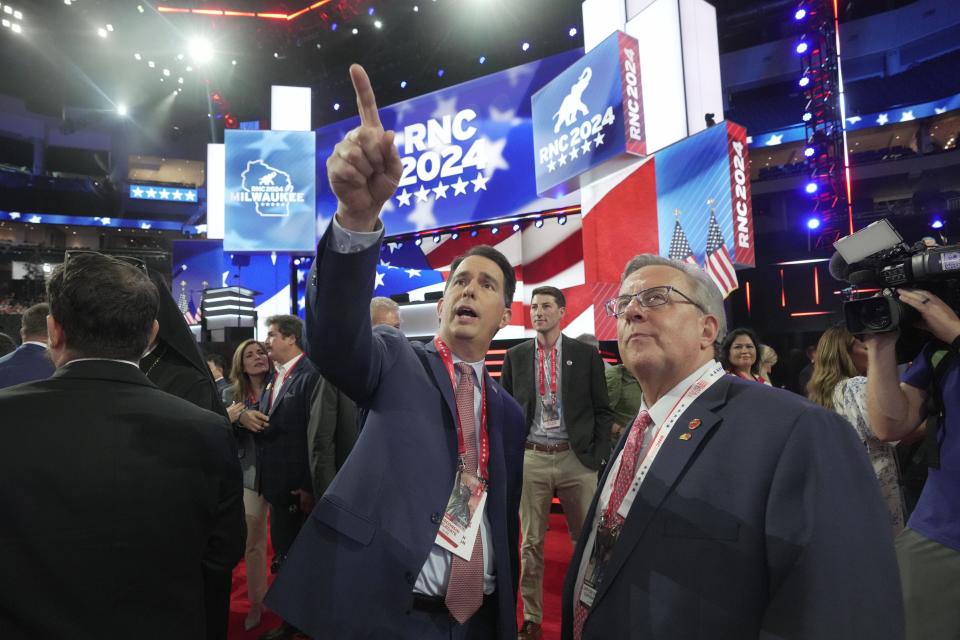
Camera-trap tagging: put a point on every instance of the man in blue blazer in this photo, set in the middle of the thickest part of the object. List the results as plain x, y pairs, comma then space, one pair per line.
368, 564
30, 360
730, 510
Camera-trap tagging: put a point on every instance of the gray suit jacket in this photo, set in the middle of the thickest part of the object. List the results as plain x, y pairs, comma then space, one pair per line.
583, 394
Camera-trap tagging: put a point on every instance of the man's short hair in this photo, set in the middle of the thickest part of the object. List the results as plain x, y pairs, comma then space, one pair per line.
382, 303
105, 306
217, 361
288, 326
703, 290
33, 324
488, 252
547, 290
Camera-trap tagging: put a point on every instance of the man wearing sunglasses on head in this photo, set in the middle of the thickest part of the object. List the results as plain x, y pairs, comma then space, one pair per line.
728, 510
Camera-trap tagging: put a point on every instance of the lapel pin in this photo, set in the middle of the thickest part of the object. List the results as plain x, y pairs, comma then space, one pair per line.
685, 436
569, 363
694, 423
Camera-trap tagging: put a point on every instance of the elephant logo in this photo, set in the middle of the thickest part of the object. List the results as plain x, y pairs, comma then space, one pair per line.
572, 106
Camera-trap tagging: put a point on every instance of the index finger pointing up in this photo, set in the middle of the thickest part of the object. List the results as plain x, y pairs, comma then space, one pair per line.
366, 101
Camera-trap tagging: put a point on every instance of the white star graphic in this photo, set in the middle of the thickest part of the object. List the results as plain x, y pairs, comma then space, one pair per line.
401, 109
854, 119
104, 220
883, 119
393, 246
445, 107
137, 192
441, 190
598, 139
177, 195
574, 153
552, 166
493, 156
34, 219
460, 187
164, 194
562, 160
145, 225
191, 195
301, 275
774, 140
151, 193
907, 116
14, 215
404, 197
387, 265
479, 183
302, 302
516, 74
422, 194
586, 146
422, 216
379, 282
413, 273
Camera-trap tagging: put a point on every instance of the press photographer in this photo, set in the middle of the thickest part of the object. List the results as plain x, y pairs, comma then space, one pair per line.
928, 550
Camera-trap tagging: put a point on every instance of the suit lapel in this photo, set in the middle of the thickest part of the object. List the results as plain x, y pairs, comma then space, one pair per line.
294, 374
442, 377
566, 353
675, 455
527, 371
497, 471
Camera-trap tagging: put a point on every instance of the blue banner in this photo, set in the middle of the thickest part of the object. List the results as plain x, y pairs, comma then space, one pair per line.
578, 119
97, 221
466, 151
165, 193
270, 191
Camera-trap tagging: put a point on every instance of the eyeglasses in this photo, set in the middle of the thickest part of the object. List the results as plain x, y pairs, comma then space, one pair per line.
648, 298
136, 263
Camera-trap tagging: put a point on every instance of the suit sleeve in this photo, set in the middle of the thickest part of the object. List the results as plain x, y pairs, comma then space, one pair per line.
227, 539
311, 391
602, 413
323, 420
506, 373
829, 543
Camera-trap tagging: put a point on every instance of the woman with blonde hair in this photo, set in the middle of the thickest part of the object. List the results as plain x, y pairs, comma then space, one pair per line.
838, 383
251, 370
768, 359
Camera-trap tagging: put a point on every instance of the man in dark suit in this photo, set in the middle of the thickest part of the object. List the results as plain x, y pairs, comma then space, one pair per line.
332, 432
560, 384
115, 495
371, 562
729, 510
283, 462
30, 360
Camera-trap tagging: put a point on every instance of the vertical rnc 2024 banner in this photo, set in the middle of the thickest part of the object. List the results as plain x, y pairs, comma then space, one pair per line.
270, 200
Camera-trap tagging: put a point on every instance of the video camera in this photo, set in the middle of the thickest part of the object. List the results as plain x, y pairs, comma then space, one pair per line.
877, 260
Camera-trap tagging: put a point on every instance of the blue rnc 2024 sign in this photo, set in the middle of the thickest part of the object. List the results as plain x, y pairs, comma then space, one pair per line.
270, 200
591, 113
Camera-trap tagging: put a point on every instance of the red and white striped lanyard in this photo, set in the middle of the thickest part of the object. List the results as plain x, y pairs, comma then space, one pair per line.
542, 373
484, 453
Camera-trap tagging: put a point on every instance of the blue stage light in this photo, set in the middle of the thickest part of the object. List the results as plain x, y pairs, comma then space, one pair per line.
813, 223
483, 59
800, 14
439, 73
418, 241
809, 151
804, 81
495, 230
403, 84
811, 187
936, 224
573, 32
802, 47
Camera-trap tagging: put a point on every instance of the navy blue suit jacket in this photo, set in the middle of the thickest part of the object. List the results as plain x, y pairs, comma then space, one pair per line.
28, 362
766, 523
351, 571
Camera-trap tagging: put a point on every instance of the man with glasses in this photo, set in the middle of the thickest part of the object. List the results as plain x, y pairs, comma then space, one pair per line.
728, 509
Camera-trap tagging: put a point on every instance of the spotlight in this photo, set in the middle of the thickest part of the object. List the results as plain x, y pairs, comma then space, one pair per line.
370, 11
936, 224
121, 110
336, 106
166, 73
416, 9
233, 62
439, 73
436, 239
418, 241
137, 56
562, 220
811, 187
800, 14
516, 226
483, 59
807, 116
355, 31
201, 50
179, 56
333, 26
16, 28
809, 151
804, 81
377, 23
102, 32
140, 8
539, 223
403, 84
151, 64
573, 32
473, 234
525, 46
110, 28
454, 235
813, 223
495, 230
180, 80
230, 121
801, 47
68, 2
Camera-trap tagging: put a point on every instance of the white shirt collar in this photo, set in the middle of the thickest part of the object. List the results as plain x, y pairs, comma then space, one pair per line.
39, 344
282, 368
661, 408
477, 367
129, 362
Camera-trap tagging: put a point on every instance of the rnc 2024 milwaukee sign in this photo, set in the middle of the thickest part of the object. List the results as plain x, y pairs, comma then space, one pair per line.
589, 114
270, 200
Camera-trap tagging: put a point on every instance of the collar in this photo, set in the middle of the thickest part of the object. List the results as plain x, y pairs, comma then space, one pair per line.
658, 412
129, 362
477, 367
282, 368
34, 342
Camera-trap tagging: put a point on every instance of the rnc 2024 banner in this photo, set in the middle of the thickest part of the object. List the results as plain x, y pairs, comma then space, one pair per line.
270, 200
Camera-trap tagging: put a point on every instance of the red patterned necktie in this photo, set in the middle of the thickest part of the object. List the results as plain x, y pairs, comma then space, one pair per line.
465, 589
628, 467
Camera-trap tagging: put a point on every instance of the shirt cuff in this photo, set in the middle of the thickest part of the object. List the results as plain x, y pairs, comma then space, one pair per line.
347, 241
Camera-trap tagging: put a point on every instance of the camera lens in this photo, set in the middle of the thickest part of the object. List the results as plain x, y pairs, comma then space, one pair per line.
875, 314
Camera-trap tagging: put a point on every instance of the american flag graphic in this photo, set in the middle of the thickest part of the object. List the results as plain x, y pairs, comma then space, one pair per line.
717, 261
187, 308
679, 247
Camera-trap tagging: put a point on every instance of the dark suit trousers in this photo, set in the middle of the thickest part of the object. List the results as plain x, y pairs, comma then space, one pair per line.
285, 522
439, 625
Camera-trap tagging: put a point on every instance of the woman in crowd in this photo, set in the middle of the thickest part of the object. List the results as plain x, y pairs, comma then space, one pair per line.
739, 354
838, 383
768, 359
250, 372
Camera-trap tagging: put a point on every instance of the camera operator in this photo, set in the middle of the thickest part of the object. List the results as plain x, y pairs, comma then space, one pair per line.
928, 550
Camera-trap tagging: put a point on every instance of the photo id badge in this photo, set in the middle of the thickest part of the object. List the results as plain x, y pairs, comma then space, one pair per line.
593, 574
550, 411
461, 522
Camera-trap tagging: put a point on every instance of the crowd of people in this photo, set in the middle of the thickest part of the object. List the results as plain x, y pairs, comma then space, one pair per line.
407, 493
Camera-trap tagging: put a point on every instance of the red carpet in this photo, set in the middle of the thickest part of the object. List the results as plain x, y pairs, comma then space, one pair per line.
557, 554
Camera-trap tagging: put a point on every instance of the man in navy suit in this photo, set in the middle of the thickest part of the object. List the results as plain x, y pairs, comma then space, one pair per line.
30, 360
375, 559
730, 510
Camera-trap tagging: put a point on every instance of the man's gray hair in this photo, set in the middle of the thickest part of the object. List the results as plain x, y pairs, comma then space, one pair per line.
382, 303
703, 290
